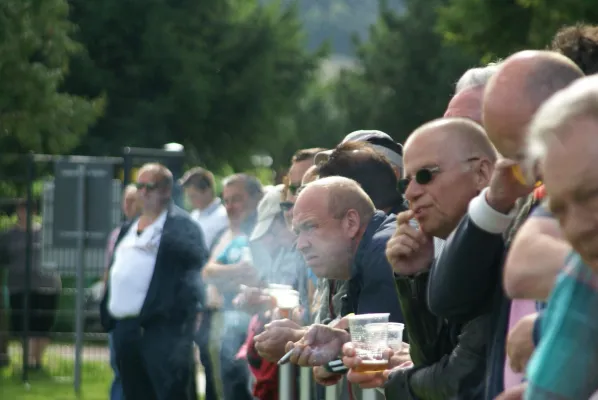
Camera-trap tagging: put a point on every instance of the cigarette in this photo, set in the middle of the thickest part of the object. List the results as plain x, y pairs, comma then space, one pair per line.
285, 359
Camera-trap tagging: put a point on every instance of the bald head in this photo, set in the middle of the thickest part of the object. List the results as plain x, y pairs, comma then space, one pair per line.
513, 95
342, 194
467, 104
460, 136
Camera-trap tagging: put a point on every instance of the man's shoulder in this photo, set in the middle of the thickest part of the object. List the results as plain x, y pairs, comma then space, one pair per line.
384, 229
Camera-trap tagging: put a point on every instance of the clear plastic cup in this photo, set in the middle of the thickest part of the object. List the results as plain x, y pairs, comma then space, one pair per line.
286, 298
369, 335
395, 334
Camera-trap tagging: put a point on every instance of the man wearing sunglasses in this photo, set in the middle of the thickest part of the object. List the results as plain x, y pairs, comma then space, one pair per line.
154, 292
447, 163
302, 160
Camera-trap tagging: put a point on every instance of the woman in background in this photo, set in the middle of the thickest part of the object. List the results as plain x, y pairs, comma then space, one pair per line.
45, 286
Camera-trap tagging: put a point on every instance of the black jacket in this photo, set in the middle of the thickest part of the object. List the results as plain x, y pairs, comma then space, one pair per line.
449, 359
176, 291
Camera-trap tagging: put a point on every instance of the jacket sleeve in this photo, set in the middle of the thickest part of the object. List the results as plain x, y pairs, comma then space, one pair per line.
196, 256
464, 276
427, 339
456, 375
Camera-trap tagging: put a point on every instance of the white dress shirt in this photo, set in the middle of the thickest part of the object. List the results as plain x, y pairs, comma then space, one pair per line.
133, 268
212, 220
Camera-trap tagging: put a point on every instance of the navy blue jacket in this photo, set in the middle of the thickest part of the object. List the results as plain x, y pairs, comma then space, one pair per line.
176, 291
372, 287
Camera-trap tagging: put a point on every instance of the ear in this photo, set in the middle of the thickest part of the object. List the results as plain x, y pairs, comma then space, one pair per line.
351, 223
483, 173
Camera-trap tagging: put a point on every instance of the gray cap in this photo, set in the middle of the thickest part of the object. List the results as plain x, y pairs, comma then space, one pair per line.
379, 140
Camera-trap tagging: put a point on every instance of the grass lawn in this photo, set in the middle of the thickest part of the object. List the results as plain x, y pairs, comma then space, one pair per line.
96, 380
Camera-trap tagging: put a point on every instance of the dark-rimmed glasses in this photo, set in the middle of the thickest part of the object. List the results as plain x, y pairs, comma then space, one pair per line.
423, 176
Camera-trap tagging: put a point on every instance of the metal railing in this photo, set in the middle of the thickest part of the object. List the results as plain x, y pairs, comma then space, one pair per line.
305, 389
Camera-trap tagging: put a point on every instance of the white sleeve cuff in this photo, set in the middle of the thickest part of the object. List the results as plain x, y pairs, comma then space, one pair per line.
487, 218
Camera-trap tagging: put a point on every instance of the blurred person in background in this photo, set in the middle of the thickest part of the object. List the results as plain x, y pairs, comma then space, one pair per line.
45, 286
380, 142
131, 208
579, 43
223, 327
154, 292
208, 211
277, 262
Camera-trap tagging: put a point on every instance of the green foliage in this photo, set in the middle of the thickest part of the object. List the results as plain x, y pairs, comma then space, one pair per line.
214, 76
407, 73
35, 47
499, 28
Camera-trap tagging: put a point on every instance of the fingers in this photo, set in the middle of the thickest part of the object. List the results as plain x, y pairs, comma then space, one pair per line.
404, 217
366, 380
402, 247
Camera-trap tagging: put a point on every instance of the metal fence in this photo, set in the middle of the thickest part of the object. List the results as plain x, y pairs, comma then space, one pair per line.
297, 384
76, 337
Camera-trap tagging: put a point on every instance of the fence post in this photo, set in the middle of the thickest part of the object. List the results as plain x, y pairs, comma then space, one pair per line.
332, 390
305, 387
285, 381
369, 394
28, 260
79, 299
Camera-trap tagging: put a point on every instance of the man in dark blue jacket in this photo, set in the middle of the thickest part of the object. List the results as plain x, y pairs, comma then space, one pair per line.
153, 293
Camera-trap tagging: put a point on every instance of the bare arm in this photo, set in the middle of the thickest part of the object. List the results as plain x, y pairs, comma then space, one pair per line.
536, 256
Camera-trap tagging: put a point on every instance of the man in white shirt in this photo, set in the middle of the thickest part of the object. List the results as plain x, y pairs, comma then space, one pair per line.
208, 210
153, 293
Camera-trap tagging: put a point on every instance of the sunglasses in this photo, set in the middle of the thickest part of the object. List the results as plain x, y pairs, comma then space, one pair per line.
286, 206
149, 186
422, 177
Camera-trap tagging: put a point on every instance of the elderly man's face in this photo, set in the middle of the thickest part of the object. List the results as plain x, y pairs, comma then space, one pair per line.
151, 191
237, 202
571, 180
440, 203
324, 241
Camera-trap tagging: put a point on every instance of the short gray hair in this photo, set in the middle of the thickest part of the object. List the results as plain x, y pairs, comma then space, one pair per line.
476, 77
576, 101
253, 186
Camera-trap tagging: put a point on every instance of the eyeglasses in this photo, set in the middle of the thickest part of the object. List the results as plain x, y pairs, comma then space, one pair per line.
424, 176
286, 206
149, 186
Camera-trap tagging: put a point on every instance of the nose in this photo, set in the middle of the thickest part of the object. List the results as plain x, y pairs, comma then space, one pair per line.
302, 242
414, 191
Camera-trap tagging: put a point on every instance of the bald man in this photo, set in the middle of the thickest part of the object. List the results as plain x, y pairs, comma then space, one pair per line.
447, 163
342, 236
524, 81
467, 104
465, 283
469, 93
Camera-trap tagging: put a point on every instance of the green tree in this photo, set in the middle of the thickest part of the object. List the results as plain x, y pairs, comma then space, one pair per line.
407, 73
498, 28
215, 76
35, 46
